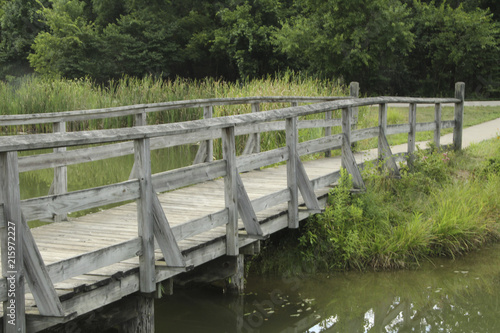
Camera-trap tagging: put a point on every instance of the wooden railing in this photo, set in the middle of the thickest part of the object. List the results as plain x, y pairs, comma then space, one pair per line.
143, 186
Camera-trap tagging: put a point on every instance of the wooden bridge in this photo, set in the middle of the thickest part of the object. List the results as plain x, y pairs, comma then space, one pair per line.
173, 221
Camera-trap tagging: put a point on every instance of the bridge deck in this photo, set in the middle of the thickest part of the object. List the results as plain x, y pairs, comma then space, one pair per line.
99, 230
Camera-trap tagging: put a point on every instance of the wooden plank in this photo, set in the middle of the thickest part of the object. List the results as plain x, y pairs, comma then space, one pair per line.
423, 127
246, 211
145, 216
306, 188
346, 132
459, 115
201, 154
412, 120
437, 119
200, 225
230, 190
397, 129
382, 124
254, 161
291, 172
271, 200
174, 179
60, 182
364, 133
447, 124
12, 240
319, 145
328, 130
38, 277
165, 237
46, 207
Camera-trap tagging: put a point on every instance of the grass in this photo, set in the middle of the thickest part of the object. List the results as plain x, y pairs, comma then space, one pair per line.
448, 205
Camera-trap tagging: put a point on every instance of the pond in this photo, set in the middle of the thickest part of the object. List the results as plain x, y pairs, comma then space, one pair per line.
444, 295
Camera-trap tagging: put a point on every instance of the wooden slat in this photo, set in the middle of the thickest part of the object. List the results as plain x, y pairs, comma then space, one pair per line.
422, 127
397, 129
47, 207
254, 161
319, 145
364, 133
174, 179
200, 225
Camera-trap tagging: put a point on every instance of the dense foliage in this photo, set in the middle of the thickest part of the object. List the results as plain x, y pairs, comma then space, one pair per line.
390, 46
446, 205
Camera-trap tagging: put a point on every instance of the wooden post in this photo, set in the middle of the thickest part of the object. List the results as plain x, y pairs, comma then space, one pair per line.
139, 120
208, 112
346, 129
60, 184
237, 280
437, 120
354, 92
145, 219
459, 115
382, 123
291, 172
143, 321
230, 190
11, 238
412, 119
256, 109
328, 131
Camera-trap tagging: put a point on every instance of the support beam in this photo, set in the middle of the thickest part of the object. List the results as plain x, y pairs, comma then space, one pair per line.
437, 120
386, 157
354, 93
291, 172
351, 166
412, 120
237, 280
247, 212
165, 237
145, 216
12, 241
38, 278
144, 319
459, 115
230, 190
306, 188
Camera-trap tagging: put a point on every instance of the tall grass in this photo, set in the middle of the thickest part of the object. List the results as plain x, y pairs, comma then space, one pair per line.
448, 205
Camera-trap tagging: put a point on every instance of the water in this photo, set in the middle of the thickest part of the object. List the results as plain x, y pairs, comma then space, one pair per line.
446, 295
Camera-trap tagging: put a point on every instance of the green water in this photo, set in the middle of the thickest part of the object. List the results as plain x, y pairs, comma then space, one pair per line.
446, 295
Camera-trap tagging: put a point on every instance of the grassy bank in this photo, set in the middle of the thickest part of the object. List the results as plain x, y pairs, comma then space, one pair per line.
447, 205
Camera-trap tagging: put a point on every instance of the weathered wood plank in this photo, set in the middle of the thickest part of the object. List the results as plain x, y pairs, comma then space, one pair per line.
306, 188
291, 172
437, 119
459, 115
382, 124
145, 216
385, 155
246, 211
351, 165
230, 190
38, 278
412, 120
12, 240
46, 207
165, 237
319, 145
364, 133
60, 182
398, 128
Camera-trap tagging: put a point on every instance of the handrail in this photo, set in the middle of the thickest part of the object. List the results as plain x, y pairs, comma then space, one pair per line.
52, 117
57, 140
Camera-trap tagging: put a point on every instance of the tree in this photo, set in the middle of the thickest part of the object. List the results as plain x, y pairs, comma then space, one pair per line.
362, 40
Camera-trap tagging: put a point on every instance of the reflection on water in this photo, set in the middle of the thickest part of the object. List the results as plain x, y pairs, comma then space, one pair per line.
445, 296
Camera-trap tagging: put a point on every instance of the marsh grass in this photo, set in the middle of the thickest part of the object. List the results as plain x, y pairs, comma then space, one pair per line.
448, 205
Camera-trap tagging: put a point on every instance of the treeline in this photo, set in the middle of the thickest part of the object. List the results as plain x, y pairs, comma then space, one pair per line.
390, 46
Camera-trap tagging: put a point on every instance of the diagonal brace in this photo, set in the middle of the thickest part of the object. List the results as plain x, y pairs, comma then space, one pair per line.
165, 237
386, 155
306, 188
247, 212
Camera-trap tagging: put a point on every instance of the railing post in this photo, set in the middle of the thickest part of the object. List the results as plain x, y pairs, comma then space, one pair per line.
437, 120
459, 115
256, 109
291, 172
208, 112
382, 123
354, 93
328, 130
11, 233
412, 120
60, 185
230, 190
147, 275
346, 130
